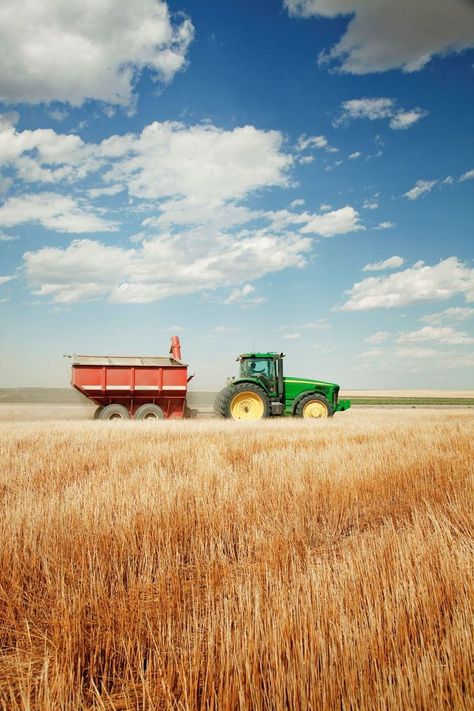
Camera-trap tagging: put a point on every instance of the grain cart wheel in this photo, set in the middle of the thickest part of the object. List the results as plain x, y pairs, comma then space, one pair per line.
149, 411
114, 412
314, 406
98, 411
245, 401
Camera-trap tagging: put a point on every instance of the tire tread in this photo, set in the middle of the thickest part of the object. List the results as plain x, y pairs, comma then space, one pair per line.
224, 398
313, 396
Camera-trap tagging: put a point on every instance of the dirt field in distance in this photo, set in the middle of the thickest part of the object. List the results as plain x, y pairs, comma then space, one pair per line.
38, 412
217, 565
37, 404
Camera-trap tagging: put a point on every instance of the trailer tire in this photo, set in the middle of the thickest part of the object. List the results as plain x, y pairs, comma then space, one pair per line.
243, 401
98, 411
114, 412
149, 411
314, 406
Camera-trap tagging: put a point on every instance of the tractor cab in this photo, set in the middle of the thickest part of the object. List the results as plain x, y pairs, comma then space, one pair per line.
264, 368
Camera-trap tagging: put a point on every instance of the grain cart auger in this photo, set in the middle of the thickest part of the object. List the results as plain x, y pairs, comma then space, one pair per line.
261, 391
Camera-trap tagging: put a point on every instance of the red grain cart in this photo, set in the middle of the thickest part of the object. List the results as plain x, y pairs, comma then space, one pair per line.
140, 387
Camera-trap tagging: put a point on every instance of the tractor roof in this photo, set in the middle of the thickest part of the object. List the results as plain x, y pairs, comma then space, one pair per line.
270, 354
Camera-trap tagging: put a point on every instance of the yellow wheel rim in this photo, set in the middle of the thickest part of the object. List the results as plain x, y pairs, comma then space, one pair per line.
247, 406
315, 408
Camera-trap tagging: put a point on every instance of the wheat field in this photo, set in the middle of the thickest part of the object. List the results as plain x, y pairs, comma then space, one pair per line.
282, 565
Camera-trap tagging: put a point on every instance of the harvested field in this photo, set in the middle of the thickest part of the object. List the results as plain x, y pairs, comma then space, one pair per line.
282, 565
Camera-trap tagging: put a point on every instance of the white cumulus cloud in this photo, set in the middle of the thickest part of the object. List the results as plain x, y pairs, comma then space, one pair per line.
370, 204
390, 263
70, 52
440, 334
371, 109
161, 266
415, 284
327, 224
386, 34
44, 156
455, 313
404, 119
378, 108
468, 175
54, 212
335, 222
387, 225
201, 162
421, 187
191, 183
305, 143
198, 173
169, 159
112, 190
378, 337
245, 295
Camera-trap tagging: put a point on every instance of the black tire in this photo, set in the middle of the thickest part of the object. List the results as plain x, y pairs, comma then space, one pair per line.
149, 411
316, 398
98, 411
223, 403
114, 412
219, 400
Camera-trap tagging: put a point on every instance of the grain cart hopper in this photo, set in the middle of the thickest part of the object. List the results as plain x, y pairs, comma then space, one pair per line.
261, 390
137, 386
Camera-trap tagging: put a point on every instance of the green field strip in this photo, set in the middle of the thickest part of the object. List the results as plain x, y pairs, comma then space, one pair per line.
446, 401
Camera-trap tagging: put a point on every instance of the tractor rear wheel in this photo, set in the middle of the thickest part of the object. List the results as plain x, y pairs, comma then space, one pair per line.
314, 406
114, 412
149, 411
244, 401
220, 401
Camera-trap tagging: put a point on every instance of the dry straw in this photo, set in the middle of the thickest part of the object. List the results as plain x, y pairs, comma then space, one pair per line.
208, 565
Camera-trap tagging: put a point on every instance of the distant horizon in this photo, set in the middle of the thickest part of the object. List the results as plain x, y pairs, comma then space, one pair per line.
215, 389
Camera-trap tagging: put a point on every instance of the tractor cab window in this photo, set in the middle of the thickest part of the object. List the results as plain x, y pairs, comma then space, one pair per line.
258, 368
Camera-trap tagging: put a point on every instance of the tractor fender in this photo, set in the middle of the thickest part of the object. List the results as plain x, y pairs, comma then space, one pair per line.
304, 394
253, 381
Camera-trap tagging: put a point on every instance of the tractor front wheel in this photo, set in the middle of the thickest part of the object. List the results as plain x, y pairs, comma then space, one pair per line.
314, 406
244, 401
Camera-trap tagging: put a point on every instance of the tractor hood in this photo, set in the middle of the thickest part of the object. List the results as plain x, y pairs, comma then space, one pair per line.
310, 384
297, 387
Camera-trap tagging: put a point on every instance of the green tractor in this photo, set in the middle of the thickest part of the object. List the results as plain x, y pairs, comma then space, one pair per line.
262, 391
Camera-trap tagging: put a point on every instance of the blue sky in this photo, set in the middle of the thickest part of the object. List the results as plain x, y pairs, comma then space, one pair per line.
272, 175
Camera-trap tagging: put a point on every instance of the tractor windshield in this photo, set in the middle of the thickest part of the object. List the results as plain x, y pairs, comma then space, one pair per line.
259, 368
